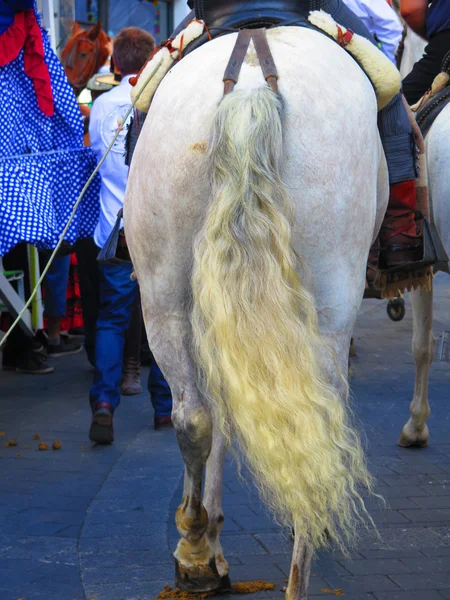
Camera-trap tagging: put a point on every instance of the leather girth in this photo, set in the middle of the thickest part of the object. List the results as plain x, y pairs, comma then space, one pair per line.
231, 75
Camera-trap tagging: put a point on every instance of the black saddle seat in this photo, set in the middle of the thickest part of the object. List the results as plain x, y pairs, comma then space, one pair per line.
222, 16
240, 14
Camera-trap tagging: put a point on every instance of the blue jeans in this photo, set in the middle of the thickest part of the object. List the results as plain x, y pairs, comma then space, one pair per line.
160, 393
117, 295
55, 284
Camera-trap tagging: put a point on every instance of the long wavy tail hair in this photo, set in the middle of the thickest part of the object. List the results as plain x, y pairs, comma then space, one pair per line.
256, 335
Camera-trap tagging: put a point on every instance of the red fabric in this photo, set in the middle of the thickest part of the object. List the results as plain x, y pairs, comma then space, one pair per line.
400, 214
403, 195
343, 38
74, 315
25, 33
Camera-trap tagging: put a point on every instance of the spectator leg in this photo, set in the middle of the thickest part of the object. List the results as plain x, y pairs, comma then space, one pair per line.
117, 296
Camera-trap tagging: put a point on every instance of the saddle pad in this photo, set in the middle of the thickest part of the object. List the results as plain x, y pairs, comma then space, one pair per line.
382, 73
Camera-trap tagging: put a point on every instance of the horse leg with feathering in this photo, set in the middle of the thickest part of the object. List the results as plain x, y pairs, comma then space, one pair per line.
249, 220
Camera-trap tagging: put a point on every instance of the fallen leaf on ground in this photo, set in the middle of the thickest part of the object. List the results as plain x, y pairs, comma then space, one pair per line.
25, 447
57, 445
169, 593
43, 446
2, 433
251, 587
337, 592
12, 443
241, 587
36, 436
19, 454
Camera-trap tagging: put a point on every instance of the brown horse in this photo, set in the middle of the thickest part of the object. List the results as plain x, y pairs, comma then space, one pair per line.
84, 54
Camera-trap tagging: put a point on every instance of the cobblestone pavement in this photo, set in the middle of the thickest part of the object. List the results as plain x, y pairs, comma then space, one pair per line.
97, 523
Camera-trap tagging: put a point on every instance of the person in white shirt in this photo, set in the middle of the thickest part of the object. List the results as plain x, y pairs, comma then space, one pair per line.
118, 293
382, 22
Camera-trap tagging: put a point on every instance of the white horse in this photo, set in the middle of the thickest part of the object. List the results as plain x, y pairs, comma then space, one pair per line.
224, 194
437, 150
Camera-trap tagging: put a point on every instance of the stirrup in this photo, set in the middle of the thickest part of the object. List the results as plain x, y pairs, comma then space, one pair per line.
434, 253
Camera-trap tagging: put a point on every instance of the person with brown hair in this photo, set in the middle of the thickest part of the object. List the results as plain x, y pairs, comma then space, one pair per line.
118, 294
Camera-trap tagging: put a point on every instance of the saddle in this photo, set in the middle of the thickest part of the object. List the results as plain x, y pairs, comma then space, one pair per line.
222, 16
434, 101
252, 14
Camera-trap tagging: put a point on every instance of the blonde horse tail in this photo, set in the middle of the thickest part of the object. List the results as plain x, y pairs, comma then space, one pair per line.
256, 333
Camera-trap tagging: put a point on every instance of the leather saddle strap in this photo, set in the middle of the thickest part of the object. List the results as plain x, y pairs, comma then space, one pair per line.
265, 58
231, 75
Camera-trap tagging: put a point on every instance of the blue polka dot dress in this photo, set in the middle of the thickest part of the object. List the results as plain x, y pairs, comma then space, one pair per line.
43, 163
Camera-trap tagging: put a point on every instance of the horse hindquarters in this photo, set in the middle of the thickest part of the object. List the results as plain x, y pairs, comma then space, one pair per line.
256, 332
334, 209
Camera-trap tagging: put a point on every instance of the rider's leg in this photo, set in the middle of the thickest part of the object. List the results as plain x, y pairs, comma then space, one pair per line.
400, 242
398, 234
419, 81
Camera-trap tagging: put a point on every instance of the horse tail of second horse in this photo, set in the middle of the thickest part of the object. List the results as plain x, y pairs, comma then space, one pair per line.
256, 333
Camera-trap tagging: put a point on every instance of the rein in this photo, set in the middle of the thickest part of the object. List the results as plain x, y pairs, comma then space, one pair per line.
401, 48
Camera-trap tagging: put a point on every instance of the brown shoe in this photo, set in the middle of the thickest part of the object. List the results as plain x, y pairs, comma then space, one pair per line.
131, 381
102, 430
163, 423
401, 248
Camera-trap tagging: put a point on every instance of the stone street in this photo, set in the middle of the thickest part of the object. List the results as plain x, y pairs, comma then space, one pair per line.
97, 523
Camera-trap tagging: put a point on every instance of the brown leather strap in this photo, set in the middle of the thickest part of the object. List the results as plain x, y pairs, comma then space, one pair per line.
265, 58
231, 75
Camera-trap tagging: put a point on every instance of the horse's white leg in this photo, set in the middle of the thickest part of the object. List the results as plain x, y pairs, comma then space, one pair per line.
213, 498
195, 559
437, 143
300, 571
415, 432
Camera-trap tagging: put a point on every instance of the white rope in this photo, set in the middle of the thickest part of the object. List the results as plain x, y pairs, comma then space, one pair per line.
76, 205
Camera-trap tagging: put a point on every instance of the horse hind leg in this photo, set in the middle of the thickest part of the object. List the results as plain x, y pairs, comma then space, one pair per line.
196, 569
213, 500
300, 571
415, 432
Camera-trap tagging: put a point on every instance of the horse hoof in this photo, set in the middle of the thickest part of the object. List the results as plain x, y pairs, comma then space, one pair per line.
200, 578
414, 438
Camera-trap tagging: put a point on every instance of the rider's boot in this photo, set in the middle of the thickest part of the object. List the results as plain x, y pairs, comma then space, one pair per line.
400, 237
